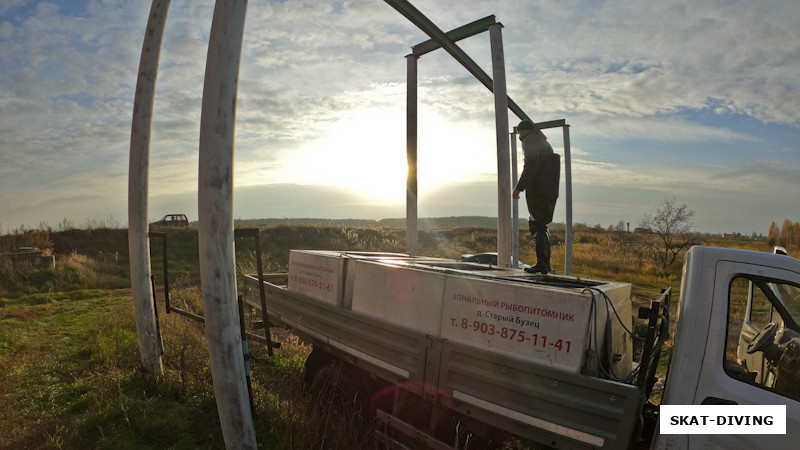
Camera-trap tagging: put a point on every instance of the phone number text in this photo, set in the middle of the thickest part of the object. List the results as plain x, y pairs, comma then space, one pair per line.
512, 334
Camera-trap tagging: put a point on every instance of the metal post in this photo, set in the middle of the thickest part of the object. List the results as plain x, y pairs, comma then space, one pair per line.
166, 274
514, 202
246, 356
139, 166
155, 313
411, 157
263, 295
255, 234
568, 190
503, 163
215, 225
163, 236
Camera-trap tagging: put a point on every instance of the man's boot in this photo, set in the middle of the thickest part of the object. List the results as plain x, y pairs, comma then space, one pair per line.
541, 240
544, 260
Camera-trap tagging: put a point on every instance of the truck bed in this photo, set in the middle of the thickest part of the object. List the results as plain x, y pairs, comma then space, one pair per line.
549, 405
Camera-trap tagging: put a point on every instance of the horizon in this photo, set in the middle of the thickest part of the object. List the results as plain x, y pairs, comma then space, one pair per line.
424, 223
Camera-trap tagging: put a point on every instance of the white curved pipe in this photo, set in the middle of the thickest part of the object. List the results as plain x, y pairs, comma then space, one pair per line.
215, 225
139, 166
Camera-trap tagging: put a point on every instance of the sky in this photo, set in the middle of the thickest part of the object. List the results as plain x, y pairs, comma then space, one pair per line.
697, 102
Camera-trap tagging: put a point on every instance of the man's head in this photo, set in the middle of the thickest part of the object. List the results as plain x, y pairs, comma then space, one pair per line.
525, 127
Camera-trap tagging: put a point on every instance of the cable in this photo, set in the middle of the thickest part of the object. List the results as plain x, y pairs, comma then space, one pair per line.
610, 373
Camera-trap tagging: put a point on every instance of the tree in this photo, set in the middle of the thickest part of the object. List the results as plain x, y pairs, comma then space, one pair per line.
774, 234
671, 223
796, 232
787, 233
786, 230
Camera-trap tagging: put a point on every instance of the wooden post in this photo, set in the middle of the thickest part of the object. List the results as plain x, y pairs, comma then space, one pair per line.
138, 171
215, 225
503, 163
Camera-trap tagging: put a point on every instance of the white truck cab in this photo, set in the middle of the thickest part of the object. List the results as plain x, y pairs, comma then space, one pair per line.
737, 342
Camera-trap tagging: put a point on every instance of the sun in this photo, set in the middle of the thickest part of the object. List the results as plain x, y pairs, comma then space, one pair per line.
365, 152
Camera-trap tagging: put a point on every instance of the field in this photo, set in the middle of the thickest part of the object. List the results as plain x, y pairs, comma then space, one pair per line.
69, 362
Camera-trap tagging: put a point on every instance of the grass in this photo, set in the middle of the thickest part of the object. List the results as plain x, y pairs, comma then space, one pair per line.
52, 357
69, 360
69, 378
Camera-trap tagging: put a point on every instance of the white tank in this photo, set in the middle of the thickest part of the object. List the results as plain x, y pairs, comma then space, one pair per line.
548, 320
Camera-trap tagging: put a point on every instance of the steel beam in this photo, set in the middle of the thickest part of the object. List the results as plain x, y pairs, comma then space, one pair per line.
504, 245
412, 225
463, 32
423, 23
568, 191
514, 202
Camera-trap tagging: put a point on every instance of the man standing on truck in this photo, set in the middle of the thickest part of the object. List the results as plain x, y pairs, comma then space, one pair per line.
539, 179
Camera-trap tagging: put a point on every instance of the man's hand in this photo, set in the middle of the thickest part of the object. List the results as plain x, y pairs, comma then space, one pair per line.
515, 194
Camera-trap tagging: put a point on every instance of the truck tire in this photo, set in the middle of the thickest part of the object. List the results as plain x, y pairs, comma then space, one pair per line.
335, 384
316, 360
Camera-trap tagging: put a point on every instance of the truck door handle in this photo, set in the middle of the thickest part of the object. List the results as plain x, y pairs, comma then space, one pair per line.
718, 401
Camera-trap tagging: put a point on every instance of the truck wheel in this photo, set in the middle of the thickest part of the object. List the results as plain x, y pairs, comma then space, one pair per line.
316, 360
335, 384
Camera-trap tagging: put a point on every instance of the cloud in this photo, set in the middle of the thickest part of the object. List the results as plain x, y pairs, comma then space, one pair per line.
650, 59
660, 97
771, 175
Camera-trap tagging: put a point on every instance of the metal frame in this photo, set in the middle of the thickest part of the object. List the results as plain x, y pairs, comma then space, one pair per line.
508, 239
255, 234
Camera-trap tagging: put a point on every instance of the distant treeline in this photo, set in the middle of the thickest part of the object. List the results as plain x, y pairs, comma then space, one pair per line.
787, 235
431, 223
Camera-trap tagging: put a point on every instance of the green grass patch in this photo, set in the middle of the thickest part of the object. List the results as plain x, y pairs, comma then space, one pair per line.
70, 379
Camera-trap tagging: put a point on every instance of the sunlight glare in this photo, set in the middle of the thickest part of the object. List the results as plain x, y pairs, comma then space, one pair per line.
365, 151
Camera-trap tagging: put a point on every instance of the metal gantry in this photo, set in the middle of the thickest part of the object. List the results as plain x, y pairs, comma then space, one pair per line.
507, 238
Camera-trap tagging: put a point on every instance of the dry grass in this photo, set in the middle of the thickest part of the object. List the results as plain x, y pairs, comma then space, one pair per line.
69, 363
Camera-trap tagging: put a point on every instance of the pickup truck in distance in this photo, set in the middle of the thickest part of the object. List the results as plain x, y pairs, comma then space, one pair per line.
172, 221
426, 342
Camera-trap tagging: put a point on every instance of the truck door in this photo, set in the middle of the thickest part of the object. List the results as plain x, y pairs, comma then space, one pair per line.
746, 299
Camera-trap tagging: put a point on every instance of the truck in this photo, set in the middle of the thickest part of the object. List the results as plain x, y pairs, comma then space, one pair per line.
172, 221
420, 344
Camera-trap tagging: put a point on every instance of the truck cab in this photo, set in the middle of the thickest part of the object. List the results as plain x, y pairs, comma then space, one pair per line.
737, 342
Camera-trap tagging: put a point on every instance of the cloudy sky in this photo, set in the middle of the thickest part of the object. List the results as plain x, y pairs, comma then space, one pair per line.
697, 101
